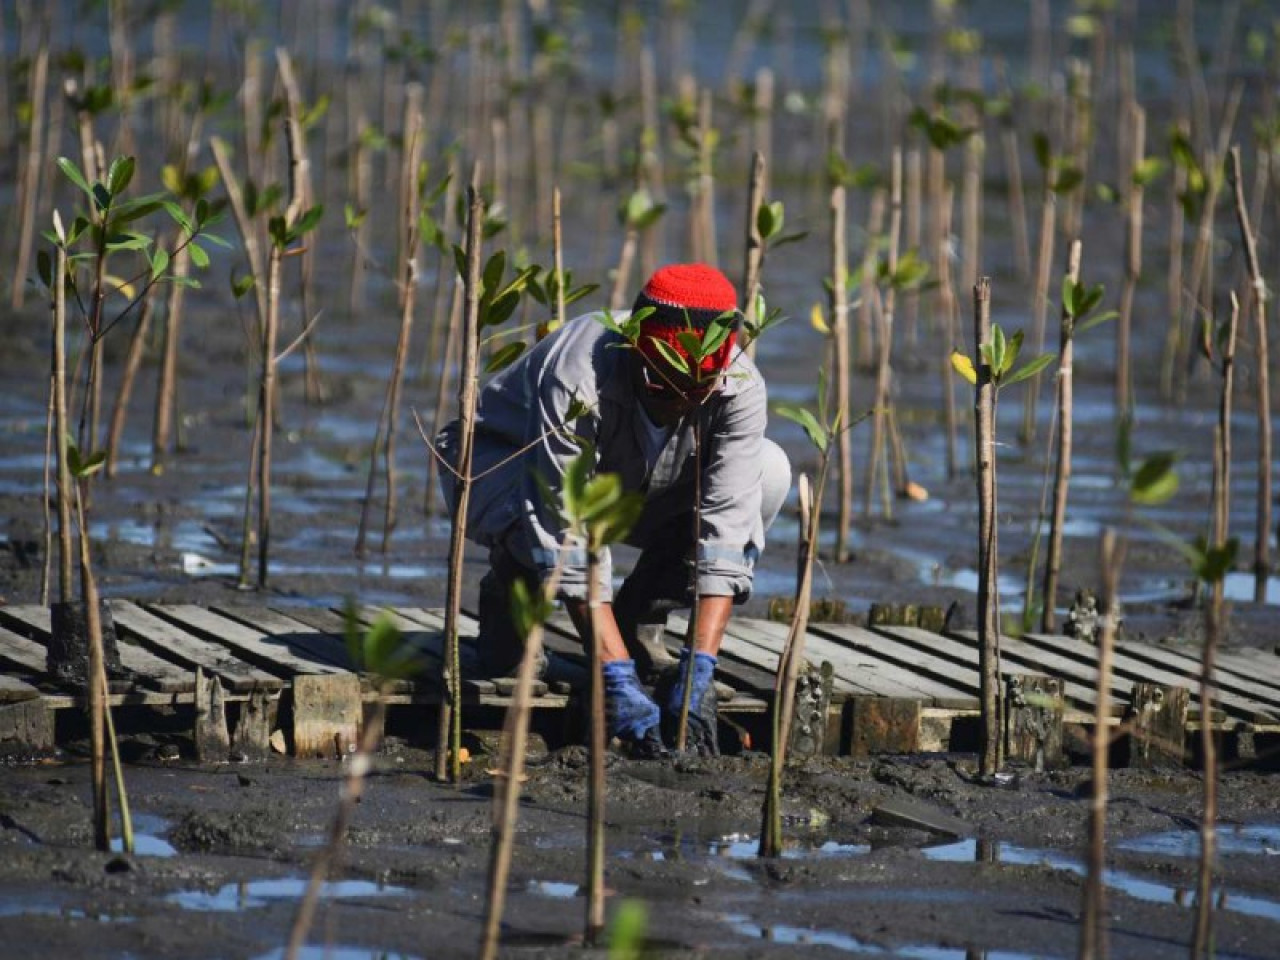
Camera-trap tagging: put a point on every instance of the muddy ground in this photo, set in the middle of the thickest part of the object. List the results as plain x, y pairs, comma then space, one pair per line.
225, 849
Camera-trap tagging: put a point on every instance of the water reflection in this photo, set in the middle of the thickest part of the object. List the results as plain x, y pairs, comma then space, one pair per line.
259, 893
1134, 886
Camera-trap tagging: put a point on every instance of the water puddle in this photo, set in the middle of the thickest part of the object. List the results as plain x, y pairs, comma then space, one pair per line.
738, 846
554, 889
39, 906
260, 893
1254, 839
331, 951
147, 839
1134, 886
803, 936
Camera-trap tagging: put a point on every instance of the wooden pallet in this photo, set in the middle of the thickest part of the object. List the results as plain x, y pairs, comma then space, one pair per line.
893, 688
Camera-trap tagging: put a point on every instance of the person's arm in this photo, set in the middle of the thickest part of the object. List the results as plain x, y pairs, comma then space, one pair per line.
713, 618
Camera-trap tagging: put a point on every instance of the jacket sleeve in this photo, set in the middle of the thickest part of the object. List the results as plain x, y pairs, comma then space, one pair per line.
543, 529
732, 531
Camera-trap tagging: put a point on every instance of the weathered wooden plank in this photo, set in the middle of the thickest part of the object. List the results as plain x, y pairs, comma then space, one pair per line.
1237, 705
428, 641
21, 653
188, 651
26, 726
1187, 663
298, 637
327, 710
857, 674
150, 670
917, 815
1015, 658
251, 739
332, 626
253, 646
882, 725
773, 637
13, 690
947, 687
1158, 725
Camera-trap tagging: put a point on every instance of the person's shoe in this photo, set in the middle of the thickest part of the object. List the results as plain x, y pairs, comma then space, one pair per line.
701, 735
630, 715
499, 645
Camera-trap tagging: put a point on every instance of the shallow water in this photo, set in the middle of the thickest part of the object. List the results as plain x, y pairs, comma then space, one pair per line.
1256, 839
804, 936
259, 893
1128, 883
148, 839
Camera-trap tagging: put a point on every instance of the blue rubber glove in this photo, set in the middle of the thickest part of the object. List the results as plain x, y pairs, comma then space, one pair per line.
629, 713
701, 736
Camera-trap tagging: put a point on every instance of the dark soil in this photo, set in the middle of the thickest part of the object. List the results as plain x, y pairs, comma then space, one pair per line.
681, 840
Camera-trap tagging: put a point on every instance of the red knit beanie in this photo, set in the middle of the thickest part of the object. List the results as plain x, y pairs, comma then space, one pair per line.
686, 297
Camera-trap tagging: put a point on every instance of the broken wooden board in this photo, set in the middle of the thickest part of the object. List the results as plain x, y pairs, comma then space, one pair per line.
916, 815
881, 725
1033, 709
13, 690
1187, 664
1157, 721
327, 712
425, 633
149, 670
212, 741
26, 725
331, 624
294, 635
324, 697
188, 651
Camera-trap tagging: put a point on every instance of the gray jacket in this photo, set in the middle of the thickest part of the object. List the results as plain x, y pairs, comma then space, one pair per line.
526, 404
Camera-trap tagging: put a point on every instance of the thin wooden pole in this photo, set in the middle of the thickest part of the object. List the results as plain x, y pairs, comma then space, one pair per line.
843, 373
1262, 527
1062, 475
448, 761
988, 566
1137, 127
754, 247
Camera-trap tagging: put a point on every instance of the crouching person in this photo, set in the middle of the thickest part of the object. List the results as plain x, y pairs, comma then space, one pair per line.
640, 415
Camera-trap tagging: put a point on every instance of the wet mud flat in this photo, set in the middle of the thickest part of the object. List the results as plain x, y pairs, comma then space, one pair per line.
223, 854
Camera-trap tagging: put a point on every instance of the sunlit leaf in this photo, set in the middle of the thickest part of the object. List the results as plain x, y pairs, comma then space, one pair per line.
672, 356
808, 422
72, 173
963, 365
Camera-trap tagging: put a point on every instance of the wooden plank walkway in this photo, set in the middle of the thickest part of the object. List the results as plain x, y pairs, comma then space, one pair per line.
297, 657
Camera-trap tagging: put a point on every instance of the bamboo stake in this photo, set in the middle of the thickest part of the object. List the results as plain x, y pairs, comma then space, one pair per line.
594, 927
984, 404
385, 434
507, 787
883, 369
843, 374
914, 226
948, 320
1017, 193
1093, 932
132, 364
708, 244
1137, 127
1262, 531
62, 424
1177, 243
33, 164
754, 252
448, 759
1062, 476
452, 324
870, 261
96, 683
1222, 485
1040, 303
790, 661
557, 256
167, 385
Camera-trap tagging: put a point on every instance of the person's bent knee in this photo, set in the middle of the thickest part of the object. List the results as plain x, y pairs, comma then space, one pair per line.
775, 481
